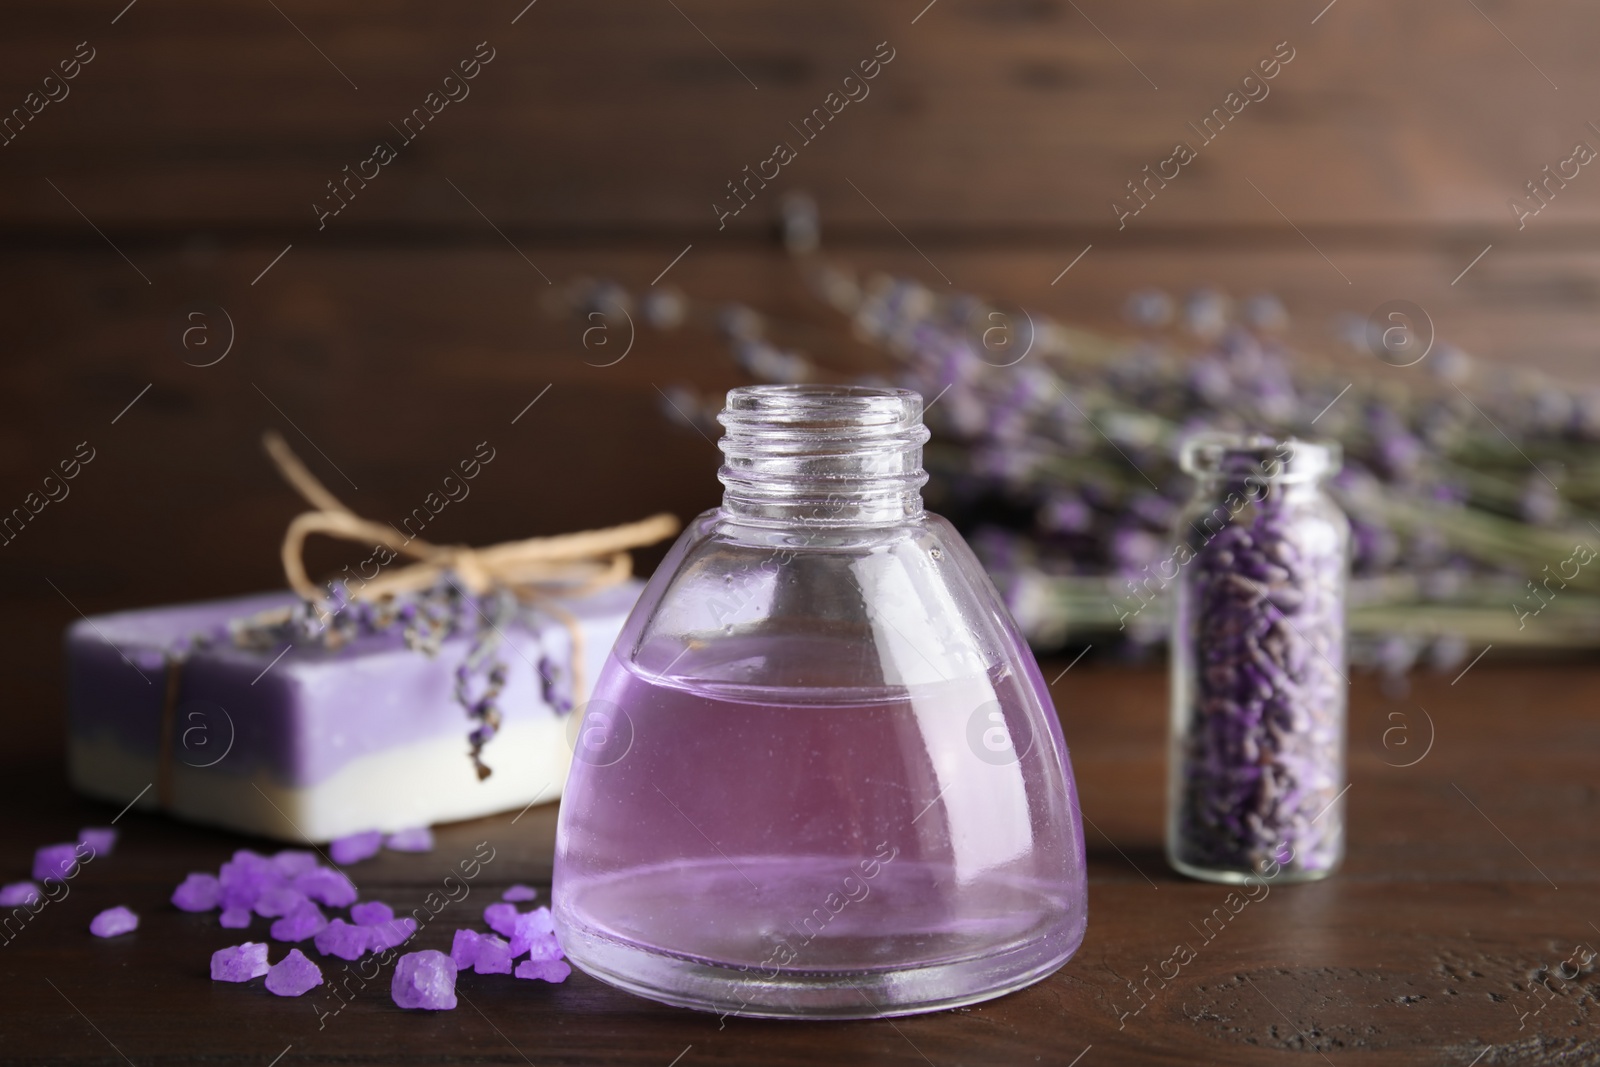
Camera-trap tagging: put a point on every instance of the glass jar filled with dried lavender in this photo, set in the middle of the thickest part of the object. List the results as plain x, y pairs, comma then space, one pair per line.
1257, 763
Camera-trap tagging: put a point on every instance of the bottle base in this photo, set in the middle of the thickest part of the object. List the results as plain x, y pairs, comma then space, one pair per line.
780, 993
1234, 876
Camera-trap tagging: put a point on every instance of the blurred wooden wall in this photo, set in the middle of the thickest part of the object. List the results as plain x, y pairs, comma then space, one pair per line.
186, 155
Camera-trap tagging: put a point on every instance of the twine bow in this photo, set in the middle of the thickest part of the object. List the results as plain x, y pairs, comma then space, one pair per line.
572, 564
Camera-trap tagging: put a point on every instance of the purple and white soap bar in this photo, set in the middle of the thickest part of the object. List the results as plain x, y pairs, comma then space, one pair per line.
304, 742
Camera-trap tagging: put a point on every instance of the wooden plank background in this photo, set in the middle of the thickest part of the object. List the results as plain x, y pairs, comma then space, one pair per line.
185, 157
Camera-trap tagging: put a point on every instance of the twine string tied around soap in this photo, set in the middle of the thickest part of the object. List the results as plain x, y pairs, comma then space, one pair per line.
535, 570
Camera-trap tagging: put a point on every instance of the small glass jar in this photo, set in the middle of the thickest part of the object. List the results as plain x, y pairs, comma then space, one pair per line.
820, 774
1259, 689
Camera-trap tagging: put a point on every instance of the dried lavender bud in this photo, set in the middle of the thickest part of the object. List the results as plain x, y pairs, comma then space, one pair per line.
665, 308
1265, 312
741, 323
1206, 313
1149, 309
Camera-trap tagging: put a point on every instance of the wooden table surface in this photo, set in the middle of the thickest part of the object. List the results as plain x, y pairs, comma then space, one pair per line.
1471, 878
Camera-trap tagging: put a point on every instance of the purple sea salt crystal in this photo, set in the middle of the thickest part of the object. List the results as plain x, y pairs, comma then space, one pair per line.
235, 917
293, 975
245, 877
417, 839
198, 892
494, 956
356, 847
544, 970
341, 939
113, 921
464, 948
17, 894
100, 838
239, 963
425, 979
306, 920
277, 901
518, 893
55, 861
328, 886
502, 918
293, 862
390, 934
370, 913
533, 928
538, 946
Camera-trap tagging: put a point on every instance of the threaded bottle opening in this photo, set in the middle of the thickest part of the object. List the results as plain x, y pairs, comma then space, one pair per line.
1258, 458
824, 455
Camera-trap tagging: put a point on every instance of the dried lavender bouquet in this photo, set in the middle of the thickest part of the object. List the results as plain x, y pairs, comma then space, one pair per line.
1473, 490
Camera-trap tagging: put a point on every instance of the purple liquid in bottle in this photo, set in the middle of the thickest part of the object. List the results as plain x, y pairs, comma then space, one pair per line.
820, 776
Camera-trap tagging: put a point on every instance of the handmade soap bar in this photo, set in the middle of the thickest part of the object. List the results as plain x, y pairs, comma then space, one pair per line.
300, 741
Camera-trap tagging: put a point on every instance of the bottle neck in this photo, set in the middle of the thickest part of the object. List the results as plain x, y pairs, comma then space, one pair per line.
822, 456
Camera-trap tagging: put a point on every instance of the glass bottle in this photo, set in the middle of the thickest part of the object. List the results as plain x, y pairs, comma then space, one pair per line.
820, 774
1257, 762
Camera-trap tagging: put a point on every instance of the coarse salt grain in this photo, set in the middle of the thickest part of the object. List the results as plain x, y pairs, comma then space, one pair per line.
418, 839
425, 979
113, 921
356, 847
277, 901
18, 893
464, 949
234, 918
292, 862
539, 947
198, 892
55, 861
100, 838
306, 920
544, 970
293, 975
341, 939
244, 878
519, 893
370, 912
494, 956
390, 934
239, 963
532, 928
328, 886
502, 918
